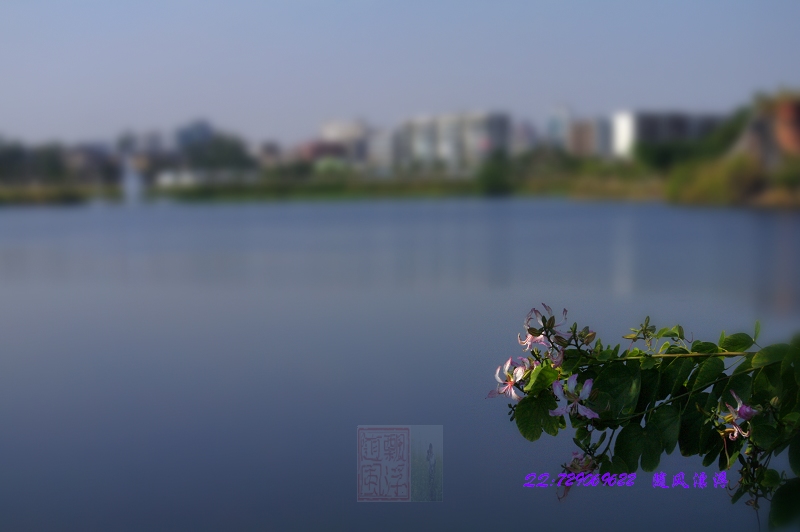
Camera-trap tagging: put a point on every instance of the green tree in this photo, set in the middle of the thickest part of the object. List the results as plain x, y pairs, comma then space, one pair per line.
223, 152
494, 175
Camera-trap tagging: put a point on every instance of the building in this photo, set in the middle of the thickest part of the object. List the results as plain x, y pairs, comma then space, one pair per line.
630, 128
558, 127
589, 138
351, 135
523, 138
454, 144
383, 147
315, 150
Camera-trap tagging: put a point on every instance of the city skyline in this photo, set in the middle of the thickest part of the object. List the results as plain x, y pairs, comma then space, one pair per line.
82, 71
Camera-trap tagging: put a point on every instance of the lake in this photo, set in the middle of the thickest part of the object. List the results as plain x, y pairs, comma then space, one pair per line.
205, 367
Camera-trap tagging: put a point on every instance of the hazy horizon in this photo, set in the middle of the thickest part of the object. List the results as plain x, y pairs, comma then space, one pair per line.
80, 71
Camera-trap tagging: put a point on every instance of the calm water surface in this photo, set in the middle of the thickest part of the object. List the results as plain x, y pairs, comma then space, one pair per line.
205, 367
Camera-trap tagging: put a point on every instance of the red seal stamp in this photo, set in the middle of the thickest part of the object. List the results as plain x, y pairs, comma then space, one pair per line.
384, 468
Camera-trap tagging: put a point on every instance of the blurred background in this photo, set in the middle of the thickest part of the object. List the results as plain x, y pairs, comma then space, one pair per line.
230, 233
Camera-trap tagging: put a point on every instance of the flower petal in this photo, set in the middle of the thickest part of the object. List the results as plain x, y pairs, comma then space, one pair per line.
587, 412
560, 411
518, 373
493, 393
515, 394
738, 401
573, 379
548, 309
587, 389
747, 413
497, 375
507, 365
559, 390
538, 316
528, 319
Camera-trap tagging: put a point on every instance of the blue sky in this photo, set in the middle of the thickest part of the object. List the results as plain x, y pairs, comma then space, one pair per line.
275, 69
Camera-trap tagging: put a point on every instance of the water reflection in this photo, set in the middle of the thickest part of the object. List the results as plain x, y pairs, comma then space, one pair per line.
622, 267
132, 184
752, 258
777, 251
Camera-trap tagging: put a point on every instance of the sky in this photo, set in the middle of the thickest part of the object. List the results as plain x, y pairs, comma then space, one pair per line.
85, 70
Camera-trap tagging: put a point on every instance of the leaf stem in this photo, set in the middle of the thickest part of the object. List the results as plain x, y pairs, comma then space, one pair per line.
689, 355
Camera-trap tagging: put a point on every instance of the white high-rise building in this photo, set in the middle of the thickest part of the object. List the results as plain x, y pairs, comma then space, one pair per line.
454, 143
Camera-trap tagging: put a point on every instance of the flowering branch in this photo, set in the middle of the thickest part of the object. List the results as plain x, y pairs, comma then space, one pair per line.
645, 402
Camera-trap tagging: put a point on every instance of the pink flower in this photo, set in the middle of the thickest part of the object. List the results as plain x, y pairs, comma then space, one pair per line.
580, 463
539, 317
557, 358
742, 410
531, 340
506, 387
525, 363
571, 404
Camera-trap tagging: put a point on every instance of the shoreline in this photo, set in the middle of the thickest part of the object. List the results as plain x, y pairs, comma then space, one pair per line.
578, 188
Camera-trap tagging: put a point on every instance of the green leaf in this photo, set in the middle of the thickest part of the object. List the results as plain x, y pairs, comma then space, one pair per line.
766, 384
651, 448
648, 363
541, 378
741, 383
790, 365
691, 424
757, 332
649, 389
784, 508
762, 433
619, 385
736, 342
709, 438
605, 465
607, 354
771, 354
533, 416
771, 478
704, 347
794, 454
618, 465
667, 421
582, 434
738, 495
684, 370
676, 349
712, 455
709, 371
628, 446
